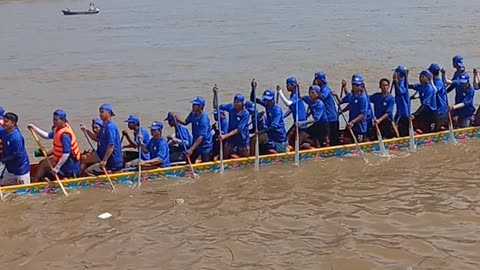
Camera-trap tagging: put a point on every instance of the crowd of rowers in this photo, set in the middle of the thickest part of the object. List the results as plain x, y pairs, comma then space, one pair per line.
239, 124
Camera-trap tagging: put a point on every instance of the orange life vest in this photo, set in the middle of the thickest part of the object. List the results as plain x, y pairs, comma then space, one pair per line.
58, 146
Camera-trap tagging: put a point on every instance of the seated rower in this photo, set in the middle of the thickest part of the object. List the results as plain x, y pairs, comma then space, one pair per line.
89, 157
441, 96
216, 132
157, 148
66, 152
15, 157
463, 108
331, 109
402, 100
318, 134
134, 125
358, 106
383, 104
236, 139
261, 120
109, 148
201, 131
275, 126
179, 142
426, 115
2, 166
293, 104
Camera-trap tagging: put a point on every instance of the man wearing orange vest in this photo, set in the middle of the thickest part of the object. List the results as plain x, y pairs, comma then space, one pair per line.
66, 153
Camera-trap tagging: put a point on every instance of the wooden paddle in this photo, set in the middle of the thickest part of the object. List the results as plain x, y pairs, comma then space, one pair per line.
219, 125
383, 149
412, 146
139, 157
257, 144
297, 135
35, 137
98, 158
184, 148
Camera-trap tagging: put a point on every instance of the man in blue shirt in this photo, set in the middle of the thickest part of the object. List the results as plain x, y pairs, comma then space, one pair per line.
275, 126
441, 97
237, 138
426, 115
201, 131
358, 106
222, 118
15, 158
402, 100
319, 131
464, 96
157, 148
383, 105
109, 148
261, 120
180, 141
458, 64
330, 106
134, 124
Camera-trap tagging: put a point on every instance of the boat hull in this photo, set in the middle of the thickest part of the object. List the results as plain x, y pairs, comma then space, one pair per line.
392, 145
68, 12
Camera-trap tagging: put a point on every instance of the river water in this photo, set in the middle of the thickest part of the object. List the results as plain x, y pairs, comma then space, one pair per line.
149, 57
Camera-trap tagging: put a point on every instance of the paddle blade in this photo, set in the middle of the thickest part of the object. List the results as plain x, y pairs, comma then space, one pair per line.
383, 149
411, 144
451, 134
257, 154
297, 149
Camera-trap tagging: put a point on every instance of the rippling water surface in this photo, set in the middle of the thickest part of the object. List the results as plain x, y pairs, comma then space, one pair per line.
147, 57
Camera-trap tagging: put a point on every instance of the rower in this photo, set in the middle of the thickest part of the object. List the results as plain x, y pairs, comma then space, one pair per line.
134, 124
157, 148
89, 157
426, 114
319, 131
261, 120
216, 132
201, 131
92, 8
458, 64
66, 152
109, 148
358, 107
293, 104
236, 139
275, 126
383, 104
330, 106
441, 97
2, 166
464, 97
402, 100
178, 142
15, 155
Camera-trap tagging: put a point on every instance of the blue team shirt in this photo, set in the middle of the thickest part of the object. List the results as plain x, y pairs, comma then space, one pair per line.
330, 103
109, 135
382, 105
465, 96
201, 127
442, 97
427, 95
182, 133
14, 150
317, 109
402, 98
358, 105
223, 125
237, 120
302, 112
158, 148
145, 140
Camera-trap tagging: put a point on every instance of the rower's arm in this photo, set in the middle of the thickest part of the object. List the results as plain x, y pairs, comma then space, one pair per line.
197, 143
144, 147
284, 99
382, 118
358, 118
181, 121
91, 135
40, 132
131, 143
450, 88
475, 81
109, 152
253, 98
287, 113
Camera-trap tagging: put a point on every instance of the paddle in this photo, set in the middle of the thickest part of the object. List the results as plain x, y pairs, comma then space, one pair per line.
184, 148
219, 125
412, 146
139, 157
35, 137
98, 158
451, 134
297, 135
257, 144
383, 149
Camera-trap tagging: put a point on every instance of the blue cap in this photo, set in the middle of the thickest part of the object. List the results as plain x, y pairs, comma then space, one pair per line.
2, 112
401, 70
322, 76
198, 101
60, 114
458, 61
133, 119
464, 78
316, 88
250, 106
357, 79
434, 68
108, 108
239, 98
169, 117
268, 95
97, 122
292, 80
157, 125
426, 73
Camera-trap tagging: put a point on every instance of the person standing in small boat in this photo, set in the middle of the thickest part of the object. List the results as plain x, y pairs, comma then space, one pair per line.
134, 125
109, 148
180, 141
318, 132
464, 96
201, 131
236, 139
402, 99
89, 157
275, 126
330, 106
295, 102
66, 152
15, 157
222, 118
92, 8
383, 105
441, 97
426, 114
157, 149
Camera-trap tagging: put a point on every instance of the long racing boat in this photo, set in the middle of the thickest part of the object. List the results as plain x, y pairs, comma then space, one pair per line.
184, 171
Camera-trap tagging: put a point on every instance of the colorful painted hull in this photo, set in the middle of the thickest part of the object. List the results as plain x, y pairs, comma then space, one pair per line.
184, 171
